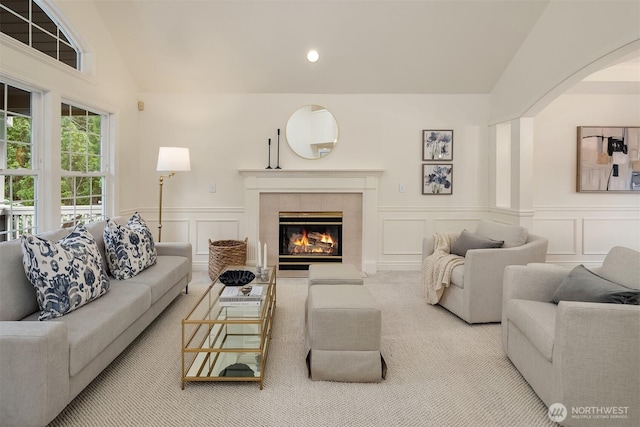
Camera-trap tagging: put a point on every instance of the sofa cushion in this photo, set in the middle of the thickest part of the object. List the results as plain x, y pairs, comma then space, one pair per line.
618, 267
513, 235
92, 329
67, 274
468, 240
129, 248
537, 321
584, 285
163, 275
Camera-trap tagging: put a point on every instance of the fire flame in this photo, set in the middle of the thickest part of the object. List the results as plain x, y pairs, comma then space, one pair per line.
302, 243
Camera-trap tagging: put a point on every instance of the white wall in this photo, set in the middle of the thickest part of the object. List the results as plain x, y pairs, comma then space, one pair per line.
581, 227
570, 39
229, 132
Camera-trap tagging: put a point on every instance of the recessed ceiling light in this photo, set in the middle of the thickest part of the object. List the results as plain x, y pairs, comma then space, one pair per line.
313, 55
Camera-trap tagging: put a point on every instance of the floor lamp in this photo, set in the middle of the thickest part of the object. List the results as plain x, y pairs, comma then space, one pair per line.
172, 160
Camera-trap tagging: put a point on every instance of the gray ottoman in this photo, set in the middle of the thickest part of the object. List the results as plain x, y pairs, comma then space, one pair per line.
343, 334
334, 274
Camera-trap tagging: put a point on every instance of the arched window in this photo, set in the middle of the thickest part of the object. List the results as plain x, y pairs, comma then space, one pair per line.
27, 22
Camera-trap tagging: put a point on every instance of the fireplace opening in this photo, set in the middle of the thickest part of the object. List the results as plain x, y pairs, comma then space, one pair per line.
309, 237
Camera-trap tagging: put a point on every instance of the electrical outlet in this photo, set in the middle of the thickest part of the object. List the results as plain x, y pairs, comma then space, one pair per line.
212, 188
402, 188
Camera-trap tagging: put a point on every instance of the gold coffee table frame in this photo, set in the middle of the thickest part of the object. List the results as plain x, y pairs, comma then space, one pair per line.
216, 337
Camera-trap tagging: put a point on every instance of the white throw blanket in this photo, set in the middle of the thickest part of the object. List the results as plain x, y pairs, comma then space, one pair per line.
437, 267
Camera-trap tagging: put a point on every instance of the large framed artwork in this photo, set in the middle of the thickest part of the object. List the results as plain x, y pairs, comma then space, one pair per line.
437, 145
608, 159
437, 179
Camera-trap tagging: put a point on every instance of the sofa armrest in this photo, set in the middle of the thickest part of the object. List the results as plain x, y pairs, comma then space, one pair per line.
427, 246
535, 282
484, 271
34, 372
176, 249
595, 356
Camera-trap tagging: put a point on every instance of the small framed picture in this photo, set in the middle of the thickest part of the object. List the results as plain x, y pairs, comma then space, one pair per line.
437, 179
437, 145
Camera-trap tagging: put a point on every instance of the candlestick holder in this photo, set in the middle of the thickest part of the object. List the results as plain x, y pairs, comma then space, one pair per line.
269, 151
278, 152
264, 274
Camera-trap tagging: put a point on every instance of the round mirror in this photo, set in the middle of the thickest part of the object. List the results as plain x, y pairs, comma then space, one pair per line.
312, 132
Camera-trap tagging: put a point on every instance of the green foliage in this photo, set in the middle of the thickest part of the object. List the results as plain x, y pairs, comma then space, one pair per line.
19, 157
81, 151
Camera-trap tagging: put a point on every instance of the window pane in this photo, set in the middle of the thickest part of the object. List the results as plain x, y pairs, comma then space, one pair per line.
95, 146
18, 129
2, 122
22, 190
78, 163
2, 86
41, 19
44, 42
65, 161
66, 190
94, 164
18, 156
79, 117
21, 7
13, 26
68, 55
18, 101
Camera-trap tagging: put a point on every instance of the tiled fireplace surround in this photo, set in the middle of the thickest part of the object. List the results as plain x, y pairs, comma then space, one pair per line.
352, 192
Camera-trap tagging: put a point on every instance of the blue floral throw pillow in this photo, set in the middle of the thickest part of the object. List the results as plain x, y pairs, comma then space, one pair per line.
130, 249
67, 274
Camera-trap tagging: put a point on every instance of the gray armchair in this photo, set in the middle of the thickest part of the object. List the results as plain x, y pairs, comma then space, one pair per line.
579, 354
475, 293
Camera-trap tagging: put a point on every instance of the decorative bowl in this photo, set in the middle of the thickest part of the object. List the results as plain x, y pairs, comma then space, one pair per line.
237, 277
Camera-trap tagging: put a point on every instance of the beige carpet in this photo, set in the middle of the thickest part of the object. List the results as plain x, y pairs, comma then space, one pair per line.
441, 372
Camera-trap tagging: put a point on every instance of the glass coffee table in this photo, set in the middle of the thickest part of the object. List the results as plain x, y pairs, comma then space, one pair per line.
229, 343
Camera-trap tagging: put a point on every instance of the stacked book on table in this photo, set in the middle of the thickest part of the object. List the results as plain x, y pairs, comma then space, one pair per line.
234, 296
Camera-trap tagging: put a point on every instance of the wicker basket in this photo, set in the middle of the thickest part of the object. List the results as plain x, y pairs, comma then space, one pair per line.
223, 253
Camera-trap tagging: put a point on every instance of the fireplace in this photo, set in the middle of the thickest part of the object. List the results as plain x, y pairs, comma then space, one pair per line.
309, 237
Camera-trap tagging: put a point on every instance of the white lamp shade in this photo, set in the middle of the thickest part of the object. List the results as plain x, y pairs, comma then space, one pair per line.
173, 159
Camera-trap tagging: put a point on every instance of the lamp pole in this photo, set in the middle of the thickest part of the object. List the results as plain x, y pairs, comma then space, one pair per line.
162, 177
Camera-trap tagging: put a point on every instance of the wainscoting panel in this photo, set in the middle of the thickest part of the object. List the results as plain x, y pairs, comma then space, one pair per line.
600, 234
442, 225
173, 230
561, 233
215, 229
584, 235
402, 236
402, 230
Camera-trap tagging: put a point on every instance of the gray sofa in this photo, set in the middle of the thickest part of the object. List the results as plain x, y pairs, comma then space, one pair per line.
45, 364
475, 293
583, 355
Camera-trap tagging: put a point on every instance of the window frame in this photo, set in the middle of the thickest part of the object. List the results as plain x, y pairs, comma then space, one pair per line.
35, 171
103, 173
62, 36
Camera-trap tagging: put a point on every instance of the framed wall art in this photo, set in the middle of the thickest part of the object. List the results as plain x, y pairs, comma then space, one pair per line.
608, 159
437, 179
437, 145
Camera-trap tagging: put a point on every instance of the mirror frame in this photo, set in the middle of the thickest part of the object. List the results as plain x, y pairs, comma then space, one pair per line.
303, 125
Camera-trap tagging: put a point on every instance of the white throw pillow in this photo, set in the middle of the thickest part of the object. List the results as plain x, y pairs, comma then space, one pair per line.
129, 249
66, 274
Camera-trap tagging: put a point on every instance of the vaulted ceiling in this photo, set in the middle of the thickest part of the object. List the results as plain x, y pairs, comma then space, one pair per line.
365, 46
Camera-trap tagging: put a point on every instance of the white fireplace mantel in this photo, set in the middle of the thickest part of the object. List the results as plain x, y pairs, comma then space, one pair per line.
364, 181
